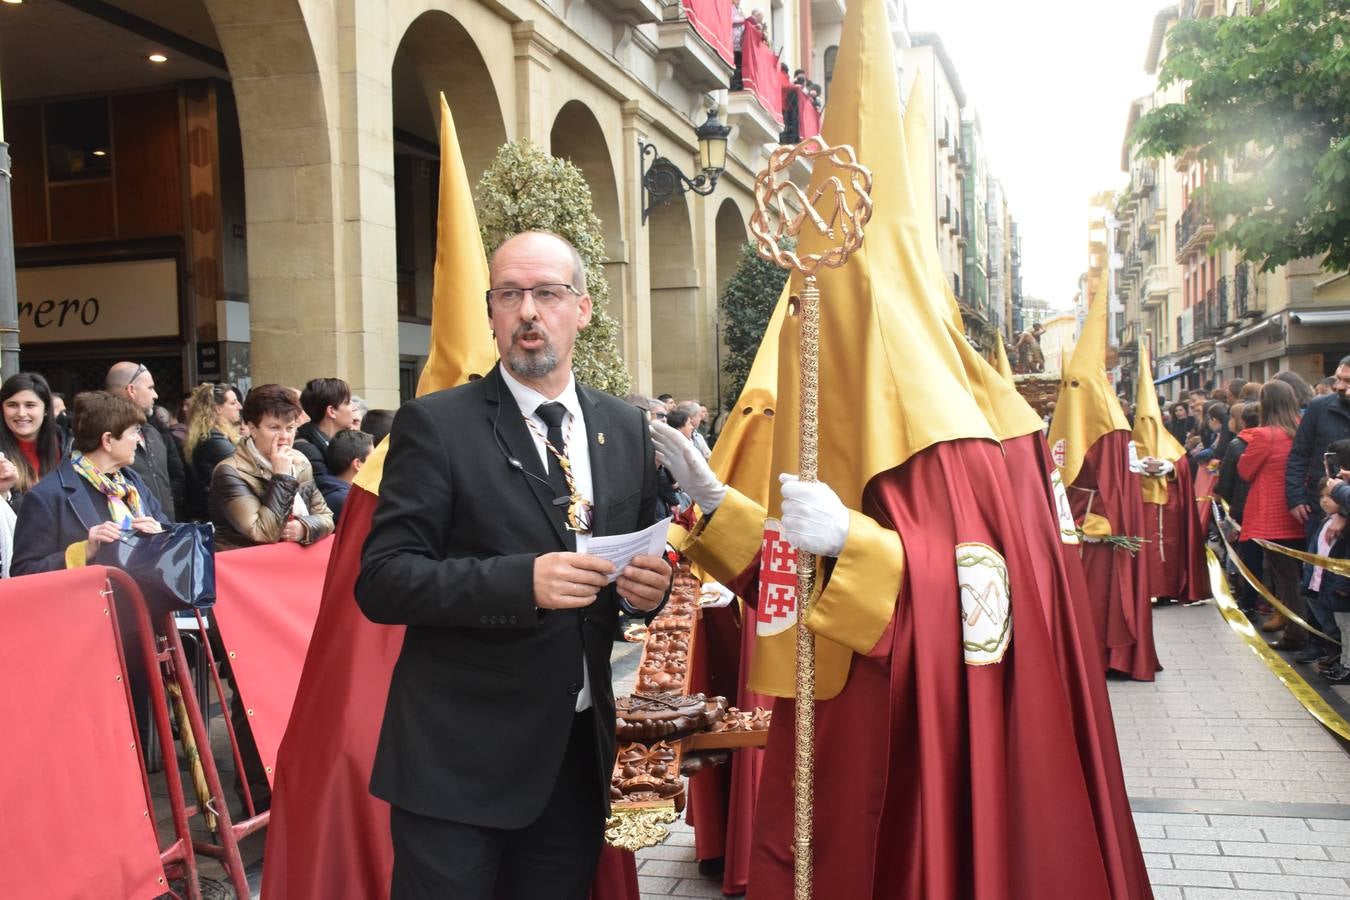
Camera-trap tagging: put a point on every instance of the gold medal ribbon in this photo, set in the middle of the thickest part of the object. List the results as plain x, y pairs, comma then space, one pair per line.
579, 509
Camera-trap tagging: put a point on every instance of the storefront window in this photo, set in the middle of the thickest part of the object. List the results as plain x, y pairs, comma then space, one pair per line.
78, 140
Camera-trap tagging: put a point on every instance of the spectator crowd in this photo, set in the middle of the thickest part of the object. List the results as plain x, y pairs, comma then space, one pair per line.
1280, 452
271, 465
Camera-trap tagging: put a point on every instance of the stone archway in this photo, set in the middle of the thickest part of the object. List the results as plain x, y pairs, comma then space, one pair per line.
729, 236
288, 143
674, 300
435, 54
576, 135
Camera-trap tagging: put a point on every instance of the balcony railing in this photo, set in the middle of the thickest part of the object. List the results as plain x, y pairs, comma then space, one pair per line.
1211, 313
1194, 228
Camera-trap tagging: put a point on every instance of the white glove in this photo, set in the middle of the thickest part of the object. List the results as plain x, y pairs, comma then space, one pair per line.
678, 454
1152, 465
814, 518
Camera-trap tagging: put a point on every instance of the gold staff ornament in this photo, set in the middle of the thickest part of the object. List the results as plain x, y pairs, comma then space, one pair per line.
837, 209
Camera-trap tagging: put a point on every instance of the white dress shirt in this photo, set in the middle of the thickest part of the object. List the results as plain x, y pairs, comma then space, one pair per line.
578, 452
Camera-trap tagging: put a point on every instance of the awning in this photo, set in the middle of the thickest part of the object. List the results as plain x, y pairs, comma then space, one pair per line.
1321, 317
1173, 375
1247, 332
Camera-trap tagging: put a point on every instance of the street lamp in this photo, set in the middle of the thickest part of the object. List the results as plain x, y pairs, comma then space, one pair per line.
662, 179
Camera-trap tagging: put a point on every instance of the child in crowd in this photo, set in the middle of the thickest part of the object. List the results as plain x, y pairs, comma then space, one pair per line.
1318, 584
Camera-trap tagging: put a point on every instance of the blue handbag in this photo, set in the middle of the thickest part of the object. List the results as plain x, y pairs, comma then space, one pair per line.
175, 568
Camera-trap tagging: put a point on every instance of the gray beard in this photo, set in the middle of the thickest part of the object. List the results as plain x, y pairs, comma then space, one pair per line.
536, 364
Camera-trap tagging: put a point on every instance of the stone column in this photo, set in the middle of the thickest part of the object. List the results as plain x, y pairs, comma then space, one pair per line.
534, 62
636, 294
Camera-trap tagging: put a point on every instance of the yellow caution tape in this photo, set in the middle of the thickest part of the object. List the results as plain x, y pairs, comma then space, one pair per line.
1289, 677
1265, 593
1335, 566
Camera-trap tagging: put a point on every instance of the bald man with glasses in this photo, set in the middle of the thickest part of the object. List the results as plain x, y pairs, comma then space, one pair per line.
159, 460
498, 735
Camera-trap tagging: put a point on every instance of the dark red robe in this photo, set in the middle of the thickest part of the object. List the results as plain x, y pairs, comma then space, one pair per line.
329, 838
722, 801
1117, 579
1175, 553
937, 779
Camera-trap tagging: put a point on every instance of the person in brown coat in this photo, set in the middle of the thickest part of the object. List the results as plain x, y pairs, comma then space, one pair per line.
266, 492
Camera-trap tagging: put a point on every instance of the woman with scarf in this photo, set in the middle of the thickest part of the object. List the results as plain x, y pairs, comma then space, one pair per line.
92, 497
265, 492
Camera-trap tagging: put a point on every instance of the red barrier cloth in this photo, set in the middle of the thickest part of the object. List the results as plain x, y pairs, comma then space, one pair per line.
328, 837
267, 599
722, 800
808, 117
1175, 552
72, 787
712, 20
760, 72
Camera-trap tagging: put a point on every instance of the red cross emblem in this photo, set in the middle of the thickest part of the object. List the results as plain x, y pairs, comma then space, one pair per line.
777, 610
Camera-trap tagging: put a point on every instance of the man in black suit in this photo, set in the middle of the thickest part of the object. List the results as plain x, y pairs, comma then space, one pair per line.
498, 737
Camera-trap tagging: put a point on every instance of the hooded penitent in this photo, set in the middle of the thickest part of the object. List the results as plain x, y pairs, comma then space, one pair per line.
964, 745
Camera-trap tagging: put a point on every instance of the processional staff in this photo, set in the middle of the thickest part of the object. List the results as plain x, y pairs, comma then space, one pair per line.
782, 209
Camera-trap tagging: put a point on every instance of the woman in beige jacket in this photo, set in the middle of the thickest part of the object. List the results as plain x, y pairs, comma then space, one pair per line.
265, 492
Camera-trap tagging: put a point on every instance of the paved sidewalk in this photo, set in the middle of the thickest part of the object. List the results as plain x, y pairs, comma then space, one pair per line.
1238, 793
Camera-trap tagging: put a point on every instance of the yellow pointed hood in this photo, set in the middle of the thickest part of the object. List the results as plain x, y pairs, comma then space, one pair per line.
1087, 408
461, 342
1151, 437
1001, 364
743, 455
893, 376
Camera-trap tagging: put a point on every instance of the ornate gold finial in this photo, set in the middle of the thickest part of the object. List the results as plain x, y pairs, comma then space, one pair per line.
848, 193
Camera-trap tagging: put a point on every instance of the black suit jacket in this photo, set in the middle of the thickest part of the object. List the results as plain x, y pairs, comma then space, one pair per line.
483, 696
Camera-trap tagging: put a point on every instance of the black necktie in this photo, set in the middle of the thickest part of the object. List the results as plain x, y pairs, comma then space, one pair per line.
553, 414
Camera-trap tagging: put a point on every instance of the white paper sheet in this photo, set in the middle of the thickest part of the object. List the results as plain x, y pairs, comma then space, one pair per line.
621, 548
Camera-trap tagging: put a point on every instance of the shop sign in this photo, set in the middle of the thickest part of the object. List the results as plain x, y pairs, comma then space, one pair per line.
98, 301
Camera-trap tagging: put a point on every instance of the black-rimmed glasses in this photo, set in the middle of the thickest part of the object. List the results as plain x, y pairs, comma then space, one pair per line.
545, 295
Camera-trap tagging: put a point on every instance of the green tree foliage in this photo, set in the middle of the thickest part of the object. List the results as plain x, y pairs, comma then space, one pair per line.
526, 189
747, 304
1271, 92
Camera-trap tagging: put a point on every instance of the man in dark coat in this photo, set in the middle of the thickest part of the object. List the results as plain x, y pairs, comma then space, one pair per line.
1327, 420
328, 403
491, 493
158, 460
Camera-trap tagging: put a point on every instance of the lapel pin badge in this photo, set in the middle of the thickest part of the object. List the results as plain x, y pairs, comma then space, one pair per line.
599, 437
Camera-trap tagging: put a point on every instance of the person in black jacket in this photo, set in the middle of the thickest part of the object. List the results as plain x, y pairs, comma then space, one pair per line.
498, 736
213, 434
1233, 488
158, 463
1327, 420
328, 403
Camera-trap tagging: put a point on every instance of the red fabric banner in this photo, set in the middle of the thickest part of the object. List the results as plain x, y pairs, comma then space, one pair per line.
760, 72
267, 599
72, 786
712, 21
808, 117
